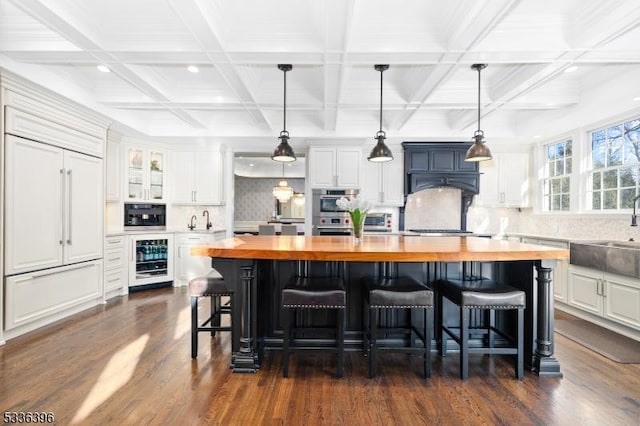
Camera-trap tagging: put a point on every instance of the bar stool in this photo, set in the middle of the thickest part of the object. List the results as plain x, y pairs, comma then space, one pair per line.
396, 293
313, 293
481, 294
214, 287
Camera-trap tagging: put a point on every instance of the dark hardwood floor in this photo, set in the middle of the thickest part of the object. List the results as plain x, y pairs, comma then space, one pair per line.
129, 363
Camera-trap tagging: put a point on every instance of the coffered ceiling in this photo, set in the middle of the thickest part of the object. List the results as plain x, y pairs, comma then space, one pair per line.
430, 92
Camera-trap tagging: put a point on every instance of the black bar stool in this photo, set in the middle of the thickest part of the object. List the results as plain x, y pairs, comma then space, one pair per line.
313, 293
214, 287
481, 294
396, 293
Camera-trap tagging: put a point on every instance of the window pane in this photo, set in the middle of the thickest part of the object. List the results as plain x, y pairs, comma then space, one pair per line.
597, 180
555, 205
598, 149
552, 168
596, 201
610, 179
551, 152
626, 198
564, 186
567, 149
567, 166
610, 200
559, 167
560, 150
565, 202
627, 177
546, 187
555, 186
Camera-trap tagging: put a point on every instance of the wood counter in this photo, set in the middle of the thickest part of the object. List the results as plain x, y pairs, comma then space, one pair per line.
258, 266
377, 248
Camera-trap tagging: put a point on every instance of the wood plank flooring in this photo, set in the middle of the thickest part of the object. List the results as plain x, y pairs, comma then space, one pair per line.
129, 363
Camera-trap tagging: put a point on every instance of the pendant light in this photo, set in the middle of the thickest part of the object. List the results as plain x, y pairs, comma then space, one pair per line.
283, 192
479, 151
381, 152
284, 153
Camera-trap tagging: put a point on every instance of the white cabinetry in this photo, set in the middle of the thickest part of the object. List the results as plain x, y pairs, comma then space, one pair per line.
198, 177
115, 266
612, 297
504, 181
382, 183
113, 184
332, 167
188, 266
145, 174
560, 272
53, 206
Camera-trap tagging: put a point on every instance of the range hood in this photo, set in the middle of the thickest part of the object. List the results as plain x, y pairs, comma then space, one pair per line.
440, 165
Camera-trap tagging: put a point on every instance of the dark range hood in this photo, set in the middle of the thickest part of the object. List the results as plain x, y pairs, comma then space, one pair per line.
436, 165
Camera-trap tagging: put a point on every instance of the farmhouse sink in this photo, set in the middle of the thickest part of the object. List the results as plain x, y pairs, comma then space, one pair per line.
617, 257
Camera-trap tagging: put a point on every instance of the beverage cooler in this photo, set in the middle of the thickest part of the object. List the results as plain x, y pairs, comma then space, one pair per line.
151, 261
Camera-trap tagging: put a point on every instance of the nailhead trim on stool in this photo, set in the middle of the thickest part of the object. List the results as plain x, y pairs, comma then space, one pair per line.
480, 294
396, 293
214, 287
313, 293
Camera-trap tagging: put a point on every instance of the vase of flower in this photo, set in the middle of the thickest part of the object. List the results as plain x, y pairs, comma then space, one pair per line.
357, 208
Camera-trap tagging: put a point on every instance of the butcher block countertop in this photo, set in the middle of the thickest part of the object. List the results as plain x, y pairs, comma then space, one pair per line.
377, 248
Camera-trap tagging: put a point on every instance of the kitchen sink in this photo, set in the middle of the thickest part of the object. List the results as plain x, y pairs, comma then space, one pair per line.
617, 257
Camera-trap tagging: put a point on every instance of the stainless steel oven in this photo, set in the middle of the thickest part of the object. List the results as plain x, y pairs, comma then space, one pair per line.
328, 218
145, 217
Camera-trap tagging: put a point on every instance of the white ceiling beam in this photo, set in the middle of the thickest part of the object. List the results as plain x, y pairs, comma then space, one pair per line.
79, 34
194, 16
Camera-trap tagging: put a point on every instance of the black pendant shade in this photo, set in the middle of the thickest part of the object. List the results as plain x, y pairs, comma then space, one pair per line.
380, 152
283, 152
479, 151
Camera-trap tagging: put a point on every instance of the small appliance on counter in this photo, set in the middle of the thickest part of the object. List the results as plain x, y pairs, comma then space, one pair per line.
378, 222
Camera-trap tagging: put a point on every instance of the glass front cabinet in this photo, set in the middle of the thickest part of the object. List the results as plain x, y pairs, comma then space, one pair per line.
145, 174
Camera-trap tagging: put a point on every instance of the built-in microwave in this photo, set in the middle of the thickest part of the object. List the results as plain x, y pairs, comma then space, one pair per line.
145, 217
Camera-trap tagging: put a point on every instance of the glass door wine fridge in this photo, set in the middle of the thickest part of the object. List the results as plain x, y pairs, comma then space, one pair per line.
151, 261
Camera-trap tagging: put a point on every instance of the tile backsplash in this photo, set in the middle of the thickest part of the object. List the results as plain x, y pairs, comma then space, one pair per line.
254, 200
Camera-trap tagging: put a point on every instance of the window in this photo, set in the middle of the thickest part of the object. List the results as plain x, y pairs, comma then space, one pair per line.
615, 159
556, 183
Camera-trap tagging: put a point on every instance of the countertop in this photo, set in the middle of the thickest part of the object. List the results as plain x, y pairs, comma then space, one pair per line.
166, 231
374, 248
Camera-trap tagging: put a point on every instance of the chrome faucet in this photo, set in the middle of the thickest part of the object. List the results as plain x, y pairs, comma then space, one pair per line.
634, 217
192, 225
206, 213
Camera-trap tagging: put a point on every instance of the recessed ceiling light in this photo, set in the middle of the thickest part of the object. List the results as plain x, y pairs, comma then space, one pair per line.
193, 68
637, 98
103, 68
251, 165
536, 136
571, 69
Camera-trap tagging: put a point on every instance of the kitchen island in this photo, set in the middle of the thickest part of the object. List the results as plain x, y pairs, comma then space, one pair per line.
258, 266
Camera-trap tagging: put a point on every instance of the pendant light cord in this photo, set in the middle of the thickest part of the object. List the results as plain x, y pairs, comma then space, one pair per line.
479, 99
284, 126
381, 71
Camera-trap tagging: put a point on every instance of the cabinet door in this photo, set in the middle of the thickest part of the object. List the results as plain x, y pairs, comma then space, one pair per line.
348, 167
182, 177
583, 290
136, 182
622, 300
84, 208
156, 178
113, 183
393, 181
322, 167
33, 205
372, 188
209, 178
514, 179
490, 193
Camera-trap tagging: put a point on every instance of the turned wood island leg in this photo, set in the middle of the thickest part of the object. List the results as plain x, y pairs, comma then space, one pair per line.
544, 362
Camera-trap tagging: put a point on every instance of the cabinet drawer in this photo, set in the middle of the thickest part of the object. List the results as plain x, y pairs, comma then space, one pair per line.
114, 242
114, 279
114, 259
194, 238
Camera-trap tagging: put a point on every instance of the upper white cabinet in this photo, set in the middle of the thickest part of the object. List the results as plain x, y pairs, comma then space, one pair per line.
113, 184
334, 167
504, 181
145, 176
53, 216
382, 183
198, 177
